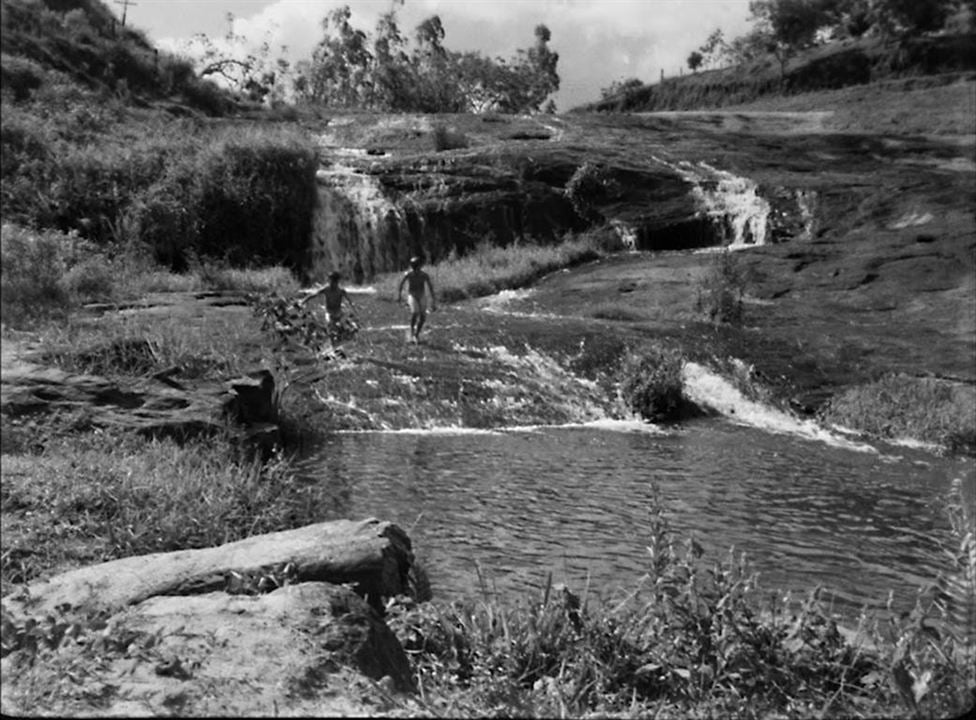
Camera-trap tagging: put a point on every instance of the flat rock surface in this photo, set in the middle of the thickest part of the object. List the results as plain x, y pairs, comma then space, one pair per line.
306, 649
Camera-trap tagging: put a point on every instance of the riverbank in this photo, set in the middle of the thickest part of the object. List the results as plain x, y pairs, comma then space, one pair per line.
540, 355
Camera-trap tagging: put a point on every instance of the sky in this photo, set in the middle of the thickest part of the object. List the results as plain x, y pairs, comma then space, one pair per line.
598, 41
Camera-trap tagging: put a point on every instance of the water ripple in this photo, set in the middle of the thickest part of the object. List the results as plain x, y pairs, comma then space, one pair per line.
575, 501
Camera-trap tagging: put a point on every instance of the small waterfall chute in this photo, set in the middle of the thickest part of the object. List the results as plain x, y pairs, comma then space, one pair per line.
731, 202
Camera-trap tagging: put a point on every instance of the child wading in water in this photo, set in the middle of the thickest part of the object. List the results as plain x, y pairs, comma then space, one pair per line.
339, 326
417, 282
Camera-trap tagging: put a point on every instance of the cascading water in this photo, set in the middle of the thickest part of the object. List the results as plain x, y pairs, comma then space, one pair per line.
357, 225
732, 203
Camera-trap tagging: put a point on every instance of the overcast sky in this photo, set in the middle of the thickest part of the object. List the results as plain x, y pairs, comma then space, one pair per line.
598, 41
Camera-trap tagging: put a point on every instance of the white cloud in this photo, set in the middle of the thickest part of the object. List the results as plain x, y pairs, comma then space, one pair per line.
598, 42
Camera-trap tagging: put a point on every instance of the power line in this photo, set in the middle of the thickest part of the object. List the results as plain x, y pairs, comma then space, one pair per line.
125, 7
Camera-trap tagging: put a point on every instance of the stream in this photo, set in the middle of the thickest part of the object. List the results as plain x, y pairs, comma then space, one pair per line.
509, 507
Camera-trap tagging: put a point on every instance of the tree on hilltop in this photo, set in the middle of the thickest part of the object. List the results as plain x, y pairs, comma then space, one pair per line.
350, 68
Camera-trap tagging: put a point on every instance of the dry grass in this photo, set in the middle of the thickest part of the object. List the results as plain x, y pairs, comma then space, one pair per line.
490, 269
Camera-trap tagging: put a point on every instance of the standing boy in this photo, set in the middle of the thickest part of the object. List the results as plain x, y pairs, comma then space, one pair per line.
417, 282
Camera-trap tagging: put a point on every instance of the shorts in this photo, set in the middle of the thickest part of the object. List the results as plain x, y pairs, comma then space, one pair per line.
418, 304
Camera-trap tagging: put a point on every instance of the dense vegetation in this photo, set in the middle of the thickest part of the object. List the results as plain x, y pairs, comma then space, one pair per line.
81, 159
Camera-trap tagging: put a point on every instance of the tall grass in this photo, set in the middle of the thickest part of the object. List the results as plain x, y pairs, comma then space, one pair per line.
491, 268
696, 638
74, 162
902, 406
84, 498
46, 276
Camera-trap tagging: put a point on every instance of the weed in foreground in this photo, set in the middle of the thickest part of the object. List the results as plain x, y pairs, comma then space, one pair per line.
694, 639
651, 384
721, 289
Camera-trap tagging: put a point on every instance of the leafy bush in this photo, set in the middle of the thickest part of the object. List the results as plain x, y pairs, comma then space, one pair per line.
721, 288
31, 266
91, 280
590, 185
20, 76
254, 197
651, 385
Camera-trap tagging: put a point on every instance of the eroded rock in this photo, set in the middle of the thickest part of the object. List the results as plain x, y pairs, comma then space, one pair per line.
158, 407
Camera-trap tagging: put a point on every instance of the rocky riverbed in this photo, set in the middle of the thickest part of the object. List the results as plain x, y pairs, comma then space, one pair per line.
860, 252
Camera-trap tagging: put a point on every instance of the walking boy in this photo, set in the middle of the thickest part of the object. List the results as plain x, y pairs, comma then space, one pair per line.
417, 282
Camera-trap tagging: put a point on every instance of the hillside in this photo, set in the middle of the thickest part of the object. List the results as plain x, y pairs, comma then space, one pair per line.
49, 43
938, 60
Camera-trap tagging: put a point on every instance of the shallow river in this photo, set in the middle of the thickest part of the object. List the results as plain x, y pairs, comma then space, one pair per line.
575, 501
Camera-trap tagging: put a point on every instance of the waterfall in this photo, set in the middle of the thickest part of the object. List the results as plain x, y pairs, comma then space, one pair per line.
731, 202
708, 389
358, 229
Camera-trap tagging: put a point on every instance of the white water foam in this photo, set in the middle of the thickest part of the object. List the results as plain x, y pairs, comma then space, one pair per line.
607, 424
732, 202
496, 303
711, 390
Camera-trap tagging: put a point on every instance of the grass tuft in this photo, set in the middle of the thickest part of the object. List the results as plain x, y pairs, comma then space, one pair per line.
651, 384
901, 406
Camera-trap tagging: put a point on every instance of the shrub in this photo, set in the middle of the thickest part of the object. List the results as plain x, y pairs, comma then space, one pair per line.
20, 75
91, 280
721, 288
590, 185
651, 385
445, 138
208, 97
31, 266
923, 408
255, 196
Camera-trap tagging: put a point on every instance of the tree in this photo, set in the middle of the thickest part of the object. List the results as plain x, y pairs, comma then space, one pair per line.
695, 60
783, 27
393, 76
338, 73
714, 49
248, 71
351, 68
912, 16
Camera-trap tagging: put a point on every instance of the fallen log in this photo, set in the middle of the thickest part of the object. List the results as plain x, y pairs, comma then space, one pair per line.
372, 556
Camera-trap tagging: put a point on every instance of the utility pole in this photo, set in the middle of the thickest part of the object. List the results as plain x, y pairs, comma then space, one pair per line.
125, 7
